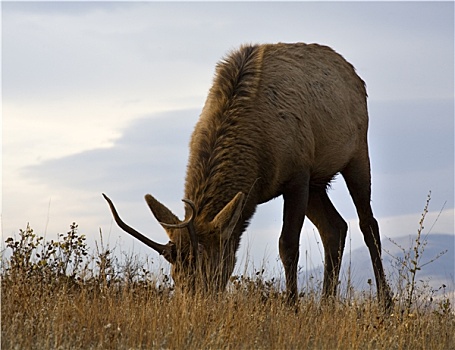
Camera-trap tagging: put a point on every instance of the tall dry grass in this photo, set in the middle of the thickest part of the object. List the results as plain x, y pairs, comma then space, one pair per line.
55, 295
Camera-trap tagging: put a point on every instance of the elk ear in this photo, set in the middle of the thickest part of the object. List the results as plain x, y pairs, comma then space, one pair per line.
160, 211
225, 221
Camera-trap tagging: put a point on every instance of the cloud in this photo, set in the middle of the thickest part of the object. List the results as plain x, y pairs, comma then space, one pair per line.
411, 147
151, 152
105, 45
418, 133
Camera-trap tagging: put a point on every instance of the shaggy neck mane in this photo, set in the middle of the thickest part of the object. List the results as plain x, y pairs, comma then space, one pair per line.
218, 165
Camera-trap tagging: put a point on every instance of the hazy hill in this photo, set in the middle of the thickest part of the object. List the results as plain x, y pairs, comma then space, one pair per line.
357, 263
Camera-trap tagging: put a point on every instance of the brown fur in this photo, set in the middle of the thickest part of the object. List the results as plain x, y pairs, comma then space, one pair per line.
280, 119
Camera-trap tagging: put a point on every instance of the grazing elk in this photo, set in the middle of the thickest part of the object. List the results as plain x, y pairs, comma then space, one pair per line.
280, 119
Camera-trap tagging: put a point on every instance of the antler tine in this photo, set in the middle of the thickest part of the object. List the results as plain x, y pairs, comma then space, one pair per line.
188, 224
162, 249
191, 229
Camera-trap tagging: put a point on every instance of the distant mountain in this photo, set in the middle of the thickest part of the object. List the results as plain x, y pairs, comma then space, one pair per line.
357, 264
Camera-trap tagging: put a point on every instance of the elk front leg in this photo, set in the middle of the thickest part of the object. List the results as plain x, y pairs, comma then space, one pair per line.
295, 204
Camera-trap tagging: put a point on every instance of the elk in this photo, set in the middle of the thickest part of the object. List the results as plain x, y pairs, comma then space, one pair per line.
279, 120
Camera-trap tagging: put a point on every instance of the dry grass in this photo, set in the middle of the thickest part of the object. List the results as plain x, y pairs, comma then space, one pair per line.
56, 296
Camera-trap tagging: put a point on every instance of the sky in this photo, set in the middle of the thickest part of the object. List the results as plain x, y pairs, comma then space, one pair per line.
103, 97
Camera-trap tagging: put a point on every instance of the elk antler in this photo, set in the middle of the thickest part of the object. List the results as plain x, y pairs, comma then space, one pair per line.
167, 250
188, 224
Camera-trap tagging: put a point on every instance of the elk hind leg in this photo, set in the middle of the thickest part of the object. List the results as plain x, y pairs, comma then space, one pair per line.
358, 180
333, 230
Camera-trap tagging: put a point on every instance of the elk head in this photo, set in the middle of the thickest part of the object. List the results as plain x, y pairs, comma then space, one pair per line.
202, 254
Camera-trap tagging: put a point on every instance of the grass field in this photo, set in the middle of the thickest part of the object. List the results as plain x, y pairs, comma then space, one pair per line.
58, 295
